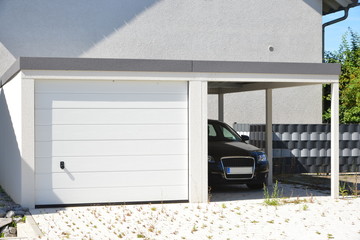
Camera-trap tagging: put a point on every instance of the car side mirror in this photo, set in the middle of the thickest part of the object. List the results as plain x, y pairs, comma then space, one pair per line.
245, 138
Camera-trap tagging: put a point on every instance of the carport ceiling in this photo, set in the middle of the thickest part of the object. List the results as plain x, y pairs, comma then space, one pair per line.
232, 87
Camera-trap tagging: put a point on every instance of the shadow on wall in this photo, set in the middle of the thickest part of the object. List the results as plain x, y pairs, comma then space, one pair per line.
316, 5
61, 28
10, 157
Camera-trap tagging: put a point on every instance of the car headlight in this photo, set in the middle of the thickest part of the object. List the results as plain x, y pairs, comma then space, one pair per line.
259, 156
211, 159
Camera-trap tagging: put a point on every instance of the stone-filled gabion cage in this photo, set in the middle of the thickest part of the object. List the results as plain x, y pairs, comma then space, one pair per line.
305, 148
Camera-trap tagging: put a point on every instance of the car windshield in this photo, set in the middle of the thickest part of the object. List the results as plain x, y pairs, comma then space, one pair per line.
222, 132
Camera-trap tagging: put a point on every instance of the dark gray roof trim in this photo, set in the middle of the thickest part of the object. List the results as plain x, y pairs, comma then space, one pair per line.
267, 68
148, 65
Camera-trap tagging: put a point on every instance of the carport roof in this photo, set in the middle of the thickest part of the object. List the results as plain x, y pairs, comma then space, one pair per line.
180, 66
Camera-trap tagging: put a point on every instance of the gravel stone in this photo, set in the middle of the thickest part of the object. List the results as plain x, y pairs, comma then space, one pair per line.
5, 230
10, 214
17, 219
4, 222
12, 230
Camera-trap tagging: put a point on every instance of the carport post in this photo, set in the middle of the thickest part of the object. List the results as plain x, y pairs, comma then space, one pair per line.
269, 135
198, 142
335, 140
221, 107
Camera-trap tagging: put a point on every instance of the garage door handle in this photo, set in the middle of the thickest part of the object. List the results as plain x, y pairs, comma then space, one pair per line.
62, 165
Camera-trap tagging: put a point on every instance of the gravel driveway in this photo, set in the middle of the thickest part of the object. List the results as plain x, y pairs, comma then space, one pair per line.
311, 216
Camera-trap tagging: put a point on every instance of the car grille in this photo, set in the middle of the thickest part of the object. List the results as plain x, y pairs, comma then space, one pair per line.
238, 163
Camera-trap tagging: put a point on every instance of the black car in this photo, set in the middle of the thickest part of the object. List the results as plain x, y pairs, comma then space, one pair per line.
232, 160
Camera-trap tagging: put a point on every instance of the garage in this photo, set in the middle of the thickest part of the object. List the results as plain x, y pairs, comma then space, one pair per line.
110, 141
89, 131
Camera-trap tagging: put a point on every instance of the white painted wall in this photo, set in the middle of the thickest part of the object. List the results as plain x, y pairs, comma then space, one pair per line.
229, 30
11, 138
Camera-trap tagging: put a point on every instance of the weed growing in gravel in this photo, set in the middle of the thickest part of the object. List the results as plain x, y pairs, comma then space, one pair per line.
343, 190
151, 228
305, 207
298, 200
330, 236
209, 194
274, 198
354, 188
140, 235
122, 235
194, 229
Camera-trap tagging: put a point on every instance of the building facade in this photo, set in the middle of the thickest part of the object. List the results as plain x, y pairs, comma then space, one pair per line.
265, 31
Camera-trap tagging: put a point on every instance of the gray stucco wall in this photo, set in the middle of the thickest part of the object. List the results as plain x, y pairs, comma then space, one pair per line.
234, 30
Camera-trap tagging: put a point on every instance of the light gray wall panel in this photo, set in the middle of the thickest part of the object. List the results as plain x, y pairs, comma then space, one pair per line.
197, 30
235, 30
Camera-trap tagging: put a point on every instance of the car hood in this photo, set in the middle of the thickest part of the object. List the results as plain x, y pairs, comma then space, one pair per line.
222, 149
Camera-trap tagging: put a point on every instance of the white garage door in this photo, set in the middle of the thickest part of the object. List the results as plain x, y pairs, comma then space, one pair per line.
118, 141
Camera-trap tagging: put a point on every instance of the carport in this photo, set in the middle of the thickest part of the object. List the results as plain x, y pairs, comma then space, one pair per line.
50, 94
268, 76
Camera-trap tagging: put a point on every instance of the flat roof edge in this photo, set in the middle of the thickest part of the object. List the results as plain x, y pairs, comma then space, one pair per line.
267, 67
153, 65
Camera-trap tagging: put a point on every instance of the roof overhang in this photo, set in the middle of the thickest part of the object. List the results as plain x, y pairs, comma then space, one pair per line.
222, 76
331, 6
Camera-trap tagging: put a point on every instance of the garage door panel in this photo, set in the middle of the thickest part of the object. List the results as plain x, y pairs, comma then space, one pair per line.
47, 86
110, 116
120, 141
124, 100
110, 179
104, 195
111, 132
117, 163
109, 148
